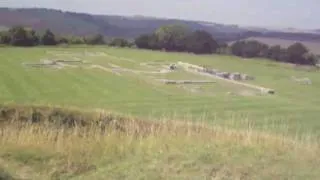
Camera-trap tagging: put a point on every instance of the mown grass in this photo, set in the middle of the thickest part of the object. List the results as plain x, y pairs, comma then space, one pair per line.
72, 147
294, 105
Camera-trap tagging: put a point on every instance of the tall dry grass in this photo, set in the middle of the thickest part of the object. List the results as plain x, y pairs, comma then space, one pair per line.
70, 149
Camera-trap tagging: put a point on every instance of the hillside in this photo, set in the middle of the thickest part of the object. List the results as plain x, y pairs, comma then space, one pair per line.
128, 27
131, 81
107, 113
58, 21
82, 24
141, 150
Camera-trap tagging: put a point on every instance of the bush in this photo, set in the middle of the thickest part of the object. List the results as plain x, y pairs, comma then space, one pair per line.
119, 42
201, 42
178, 38
95, 39
48, 38
20, 36
296, 53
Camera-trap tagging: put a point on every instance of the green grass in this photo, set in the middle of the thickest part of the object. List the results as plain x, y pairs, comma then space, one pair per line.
294, 106
235, 137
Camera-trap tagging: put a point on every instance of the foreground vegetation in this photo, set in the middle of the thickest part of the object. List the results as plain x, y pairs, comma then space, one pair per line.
54, 143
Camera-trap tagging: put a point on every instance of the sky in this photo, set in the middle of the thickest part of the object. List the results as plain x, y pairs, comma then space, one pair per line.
302, 14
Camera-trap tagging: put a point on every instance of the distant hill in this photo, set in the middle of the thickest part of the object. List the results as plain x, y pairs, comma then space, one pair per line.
58, 21
67, 23
71, 23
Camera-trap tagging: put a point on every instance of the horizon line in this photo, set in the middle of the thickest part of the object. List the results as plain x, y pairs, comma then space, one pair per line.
172, 18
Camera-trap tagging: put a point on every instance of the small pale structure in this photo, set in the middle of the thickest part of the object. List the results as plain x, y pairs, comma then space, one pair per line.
167, 81
173, 66
220, 74
224, 75
211, 71
246, 77
302, 80
69, 61
267, 91
48, 62
235, 76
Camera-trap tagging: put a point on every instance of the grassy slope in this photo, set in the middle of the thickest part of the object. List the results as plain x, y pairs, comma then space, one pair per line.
37, 152
169, 150
294, 106
162, 156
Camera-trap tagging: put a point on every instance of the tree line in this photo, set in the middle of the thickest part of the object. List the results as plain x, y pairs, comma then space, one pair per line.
179, 38
171, 38
296, 53
26, 37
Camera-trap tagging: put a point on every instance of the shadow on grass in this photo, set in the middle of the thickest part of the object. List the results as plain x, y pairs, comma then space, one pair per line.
4, 175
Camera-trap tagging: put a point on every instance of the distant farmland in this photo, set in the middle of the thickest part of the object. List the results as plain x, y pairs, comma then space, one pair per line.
314, 47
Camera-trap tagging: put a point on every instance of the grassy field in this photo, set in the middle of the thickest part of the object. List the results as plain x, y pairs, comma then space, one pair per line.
132, 149
252, 135
294, 107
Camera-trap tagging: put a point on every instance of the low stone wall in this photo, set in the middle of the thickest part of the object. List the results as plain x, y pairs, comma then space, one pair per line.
224, 76
227, 75
167, 81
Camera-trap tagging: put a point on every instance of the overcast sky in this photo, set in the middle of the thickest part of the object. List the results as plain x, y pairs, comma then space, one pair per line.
266, 13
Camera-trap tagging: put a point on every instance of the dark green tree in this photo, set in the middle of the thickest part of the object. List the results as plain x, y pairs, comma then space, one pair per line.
237, 48
33, 37
20, 36
76, 40
147, 41
249, 49
254, 49
119, 42
154, 42
95, 39
284, 57
296, 53
5, 37
274, 52
142, 41
223, 45
310, 59
62, 40
201, 42
48, 38
172, 37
